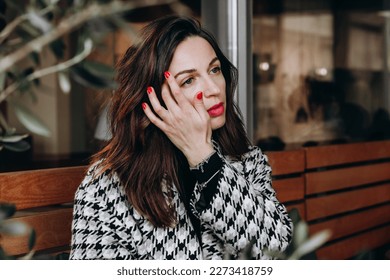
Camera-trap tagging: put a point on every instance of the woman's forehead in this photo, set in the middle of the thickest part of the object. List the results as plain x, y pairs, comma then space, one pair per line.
193, 52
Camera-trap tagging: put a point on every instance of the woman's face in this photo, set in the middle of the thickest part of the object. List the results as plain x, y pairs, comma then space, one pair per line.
196, 68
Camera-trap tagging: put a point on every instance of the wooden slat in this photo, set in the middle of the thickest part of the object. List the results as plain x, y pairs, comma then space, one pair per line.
287, 162
351, 247
319, 207
53, 229
27, 189
353, 223
346, 153
289, 189
317, 182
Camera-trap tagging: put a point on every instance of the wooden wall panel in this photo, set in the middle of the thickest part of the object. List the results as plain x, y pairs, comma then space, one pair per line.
286, 162
289, 189
323, 181
356, 222
328, 205
346, 153
52, 227
28, 189
354, 245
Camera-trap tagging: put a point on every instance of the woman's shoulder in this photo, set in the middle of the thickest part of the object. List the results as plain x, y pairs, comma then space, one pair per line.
100, 184
255, 159
101, 196
254, 153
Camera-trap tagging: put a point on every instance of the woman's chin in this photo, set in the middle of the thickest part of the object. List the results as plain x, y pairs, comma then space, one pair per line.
217, 122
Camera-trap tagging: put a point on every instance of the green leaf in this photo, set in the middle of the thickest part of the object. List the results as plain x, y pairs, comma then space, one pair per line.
12, 138
20, 146
64, 82
28, 256
294, 215
31, 239
6, 210
30, 121
14, 228
39, 22
3, 75
301, 232
312, 244
31, 30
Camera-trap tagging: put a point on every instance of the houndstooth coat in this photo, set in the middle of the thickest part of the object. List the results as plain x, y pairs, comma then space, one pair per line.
243, 208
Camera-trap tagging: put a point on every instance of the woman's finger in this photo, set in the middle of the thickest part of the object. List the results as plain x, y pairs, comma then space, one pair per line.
169, 101
160, 110
176, 91
199, 106
153, 118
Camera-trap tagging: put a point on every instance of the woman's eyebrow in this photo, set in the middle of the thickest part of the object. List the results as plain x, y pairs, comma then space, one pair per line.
213, 60
185, 72
193, 69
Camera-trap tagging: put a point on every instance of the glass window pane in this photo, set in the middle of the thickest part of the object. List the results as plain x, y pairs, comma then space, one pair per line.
319, 75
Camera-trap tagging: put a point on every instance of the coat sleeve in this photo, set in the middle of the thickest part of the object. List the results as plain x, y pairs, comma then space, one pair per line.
97, 230
237, 204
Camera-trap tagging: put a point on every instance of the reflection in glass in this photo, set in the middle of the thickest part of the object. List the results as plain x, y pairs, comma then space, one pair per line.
319, 77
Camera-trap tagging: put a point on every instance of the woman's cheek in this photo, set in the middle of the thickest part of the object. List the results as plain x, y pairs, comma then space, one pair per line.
190, 95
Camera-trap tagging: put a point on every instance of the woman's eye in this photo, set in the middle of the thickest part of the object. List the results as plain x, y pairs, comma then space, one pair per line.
188, 81
216, 69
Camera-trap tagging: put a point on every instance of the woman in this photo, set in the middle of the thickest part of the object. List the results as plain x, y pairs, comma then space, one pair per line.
179, 178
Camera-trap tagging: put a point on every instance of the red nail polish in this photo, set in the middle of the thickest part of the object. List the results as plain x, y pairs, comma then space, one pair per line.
199, 95
167, 74
149, 90
144, 105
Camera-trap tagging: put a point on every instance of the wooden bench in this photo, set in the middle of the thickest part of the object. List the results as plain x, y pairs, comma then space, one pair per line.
288, 178
348, 191
43, 200
345, 188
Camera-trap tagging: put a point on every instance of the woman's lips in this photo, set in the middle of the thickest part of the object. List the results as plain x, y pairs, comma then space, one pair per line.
216, 110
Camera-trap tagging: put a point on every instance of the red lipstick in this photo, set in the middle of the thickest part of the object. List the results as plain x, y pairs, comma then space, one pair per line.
216, 110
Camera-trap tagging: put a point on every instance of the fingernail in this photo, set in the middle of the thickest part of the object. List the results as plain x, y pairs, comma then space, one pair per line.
199, 95
167, 74
144, 105
149, 90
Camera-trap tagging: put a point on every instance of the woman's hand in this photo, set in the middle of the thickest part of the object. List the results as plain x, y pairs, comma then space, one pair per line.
186, 125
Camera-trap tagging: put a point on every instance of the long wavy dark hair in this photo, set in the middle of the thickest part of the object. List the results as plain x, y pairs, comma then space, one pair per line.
140, 153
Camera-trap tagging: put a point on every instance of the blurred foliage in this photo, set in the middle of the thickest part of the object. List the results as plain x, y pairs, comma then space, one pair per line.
302, 245
28, 27
14, 228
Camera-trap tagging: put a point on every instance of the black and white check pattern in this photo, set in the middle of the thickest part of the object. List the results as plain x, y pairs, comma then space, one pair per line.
244, 207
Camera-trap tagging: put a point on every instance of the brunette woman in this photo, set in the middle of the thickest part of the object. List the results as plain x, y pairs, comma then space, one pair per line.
179, 178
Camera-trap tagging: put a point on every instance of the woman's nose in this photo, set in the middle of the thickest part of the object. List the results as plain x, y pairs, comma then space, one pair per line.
210, 87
